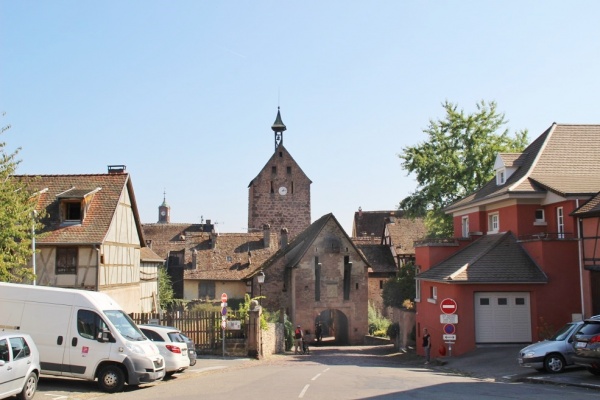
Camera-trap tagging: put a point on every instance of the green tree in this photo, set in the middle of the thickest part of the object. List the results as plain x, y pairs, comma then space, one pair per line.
456, 160
400, 288
18, 220
165, 289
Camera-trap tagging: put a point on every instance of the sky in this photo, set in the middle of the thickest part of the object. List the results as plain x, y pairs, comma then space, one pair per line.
184, 93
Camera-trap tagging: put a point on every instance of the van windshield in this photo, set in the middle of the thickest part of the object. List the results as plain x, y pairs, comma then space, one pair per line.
125, 325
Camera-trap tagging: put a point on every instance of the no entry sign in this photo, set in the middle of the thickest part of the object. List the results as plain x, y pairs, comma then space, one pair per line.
448, 306
224, 298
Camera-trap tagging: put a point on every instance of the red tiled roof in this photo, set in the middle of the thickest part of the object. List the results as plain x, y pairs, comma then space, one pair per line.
371, 223
104, 190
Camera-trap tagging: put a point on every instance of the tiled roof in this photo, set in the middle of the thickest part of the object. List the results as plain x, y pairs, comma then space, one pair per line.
404, 232
146, 254
496, 258
302, 242
371, 223
590, 208
105, 190
379, 256
227, 260
564, 159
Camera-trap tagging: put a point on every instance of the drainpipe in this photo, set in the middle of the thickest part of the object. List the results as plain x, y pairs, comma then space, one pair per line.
580, 254
98, 258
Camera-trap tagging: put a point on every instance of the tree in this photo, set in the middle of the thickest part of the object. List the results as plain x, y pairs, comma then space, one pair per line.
400, 288
165, 288
457, 160
18, 220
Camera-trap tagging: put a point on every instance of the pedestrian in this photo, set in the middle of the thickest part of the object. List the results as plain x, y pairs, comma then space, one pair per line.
319, 332
427, 345
298, 335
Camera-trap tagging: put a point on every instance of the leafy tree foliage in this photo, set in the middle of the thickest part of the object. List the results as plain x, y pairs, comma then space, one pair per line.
400, 288
17, 220
165, 289
456, 160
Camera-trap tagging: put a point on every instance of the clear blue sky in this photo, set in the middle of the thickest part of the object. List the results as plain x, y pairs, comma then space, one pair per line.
184, 92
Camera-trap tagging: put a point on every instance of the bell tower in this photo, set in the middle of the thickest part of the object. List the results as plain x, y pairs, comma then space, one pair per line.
164, 211
280, 193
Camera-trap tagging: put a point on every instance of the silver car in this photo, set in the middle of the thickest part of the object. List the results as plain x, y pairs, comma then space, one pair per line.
19, 366
554, 354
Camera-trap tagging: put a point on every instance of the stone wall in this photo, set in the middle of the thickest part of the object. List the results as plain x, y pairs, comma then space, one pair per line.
273, 340
407, 320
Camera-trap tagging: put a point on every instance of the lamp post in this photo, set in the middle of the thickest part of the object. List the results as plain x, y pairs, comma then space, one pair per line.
260, 278
33, 217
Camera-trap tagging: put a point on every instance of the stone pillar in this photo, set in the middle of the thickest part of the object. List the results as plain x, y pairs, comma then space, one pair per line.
254, 333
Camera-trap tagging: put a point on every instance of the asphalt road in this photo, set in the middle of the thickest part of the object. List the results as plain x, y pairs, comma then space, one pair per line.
327, 373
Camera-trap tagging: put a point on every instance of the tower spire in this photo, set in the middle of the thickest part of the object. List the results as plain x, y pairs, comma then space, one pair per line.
278, 127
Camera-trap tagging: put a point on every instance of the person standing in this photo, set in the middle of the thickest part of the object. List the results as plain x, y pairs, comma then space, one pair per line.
427, 345
298, 336
319, 332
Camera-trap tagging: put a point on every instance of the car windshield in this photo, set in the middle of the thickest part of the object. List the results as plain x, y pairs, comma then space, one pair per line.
562, 333
124, 325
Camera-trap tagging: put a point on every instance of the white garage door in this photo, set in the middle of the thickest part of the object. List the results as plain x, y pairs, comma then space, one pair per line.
502, 317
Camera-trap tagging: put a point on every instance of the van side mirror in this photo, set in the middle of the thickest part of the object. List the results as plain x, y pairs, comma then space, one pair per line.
105, 336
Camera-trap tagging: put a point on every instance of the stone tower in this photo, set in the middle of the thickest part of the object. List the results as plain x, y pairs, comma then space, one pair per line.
280, 193
164, 211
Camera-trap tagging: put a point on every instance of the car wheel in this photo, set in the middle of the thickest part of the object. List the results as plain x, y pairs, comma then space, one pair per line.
111, 379
595, 371
554, 363
192, 363
29, 387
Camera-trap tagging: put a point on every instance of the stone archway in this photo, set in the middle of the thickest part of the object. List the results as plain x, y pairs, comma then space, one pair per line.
334, 325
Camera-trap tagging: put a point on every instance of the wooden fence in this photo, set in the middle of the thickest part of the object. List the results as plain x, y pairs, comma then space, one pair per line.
203, 327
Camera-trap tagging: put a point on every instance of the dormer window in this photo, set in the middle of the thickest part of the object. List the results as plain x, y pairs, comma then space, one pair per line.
73, 204
501, 177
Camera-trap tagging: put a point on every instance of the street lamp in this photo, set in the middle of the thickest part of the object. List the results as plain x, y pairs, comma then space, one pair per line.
33, 217
260, 278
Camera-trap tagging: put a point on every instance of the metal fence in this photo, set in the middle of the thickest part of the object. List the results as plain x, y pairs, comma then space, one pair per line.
203, 327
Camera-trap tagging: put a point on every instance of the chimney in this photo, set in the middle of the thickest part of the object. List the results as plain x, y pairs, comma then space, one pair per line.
267, 236
213, 239
283, 238
194, 259
116, 169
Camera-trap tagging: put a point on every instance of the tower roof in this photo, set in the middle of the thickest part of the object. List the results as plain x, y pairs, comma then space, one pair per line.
278, 125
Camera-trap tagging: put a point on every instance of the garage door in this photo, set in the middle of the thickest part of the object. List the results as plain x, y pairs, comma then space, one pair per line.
502, 317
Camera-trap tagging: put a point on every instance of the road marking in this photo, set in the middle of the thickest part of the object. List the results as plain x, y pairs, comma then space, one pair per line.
55, 396
196, 370
303, 391
315, 378
327, 369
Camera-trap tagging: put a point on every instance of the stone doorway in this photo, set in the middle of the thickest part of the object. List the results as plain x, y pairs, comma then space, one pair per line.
334, 326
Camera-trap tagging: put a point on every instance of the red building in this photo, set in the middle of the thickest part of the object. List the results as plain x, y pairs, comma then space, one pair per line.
513, 267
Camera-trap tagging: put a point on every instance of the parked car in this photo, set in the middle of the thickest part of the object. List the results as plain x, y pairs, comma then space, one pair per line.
553, 354
171, 345
19, 365
191, 349
587, 345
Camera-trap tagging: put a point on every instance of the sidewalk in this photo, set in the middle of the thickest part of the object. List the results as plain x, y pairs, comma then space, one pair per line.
499, 363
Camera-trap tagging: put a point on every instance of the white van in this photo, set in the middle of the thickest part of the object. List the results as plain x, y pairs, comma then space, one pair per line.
81, 334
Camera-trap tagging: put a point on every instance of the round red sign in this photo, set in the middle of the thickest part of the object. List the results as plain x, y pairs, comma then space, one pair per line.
448, 306
224, 298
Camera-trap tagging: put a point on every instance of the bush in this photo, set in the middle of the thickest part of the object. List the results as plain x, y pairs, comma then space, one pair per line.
393, 330
377, 323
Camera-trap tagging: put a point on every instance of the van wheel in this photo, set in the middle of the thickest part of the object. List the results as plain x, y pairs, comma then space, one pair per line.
111, 379
554, 363
29, 387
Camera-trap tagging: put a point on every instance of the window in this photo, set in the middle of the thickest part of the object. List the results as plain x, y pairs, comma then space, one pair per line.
493, 223
289, 170
501, 177
417, 285
560, 223
380, 284
433, 292
502, 301
347, 276
72, 210
66, 260
317, 279
520, 301
89, 324
465, 227
20, 348
4, 353
273, 170
539, 215
484, 301
206, 289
